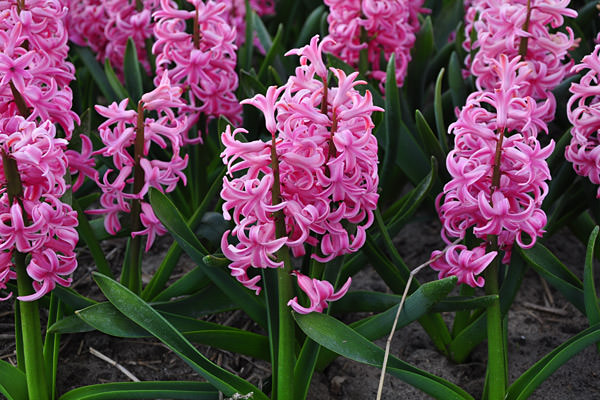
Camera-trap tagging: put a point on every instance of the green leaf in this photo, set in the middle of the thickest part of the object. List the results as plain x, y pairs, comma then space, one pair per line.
524, 386
421, 56
592, 309
431, 142
133, 73
114, 81
453, 304
70, 324
168, 214
144, 390
72, 299
556, 273
310, 27
336, 336
189, 283
439, 113
271, 52
456, 82
391, 128
469, 337
415, 306
162, 275
13, 383
109, 320
209, 300
87, 235
145, 316
245, 53
89, 60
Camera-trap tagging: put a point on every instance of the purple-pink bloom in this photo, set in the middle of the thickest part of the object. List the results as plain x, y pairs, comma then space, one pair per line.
163, 128
201, 64
463, 263
376, 26
318, 292
500, 27
33, 58
583, 110
327, 157
36, 222
499, 120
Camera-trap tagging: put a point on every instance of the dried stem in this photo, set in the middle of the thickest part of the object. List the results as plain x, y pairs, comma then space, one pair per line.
406, 288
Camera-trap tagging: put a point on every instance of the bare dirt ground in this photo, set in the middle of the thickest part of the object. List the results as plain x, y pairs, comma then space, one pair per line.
532, 334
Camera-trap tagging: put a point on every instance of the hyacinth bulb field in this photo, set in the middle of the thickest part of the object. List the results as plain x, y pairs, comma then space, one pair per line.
289, 200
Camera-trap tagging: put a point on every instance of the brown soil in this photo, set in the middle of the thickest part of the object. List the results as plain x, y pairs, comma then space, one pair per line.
532, 334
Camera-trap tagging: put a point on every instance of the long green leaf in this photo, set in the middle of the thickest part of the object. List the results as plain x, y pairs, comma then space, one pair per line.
107, 319
310, 27
556, 273
162, 275
540, 371
174, 222
469, 337
87, 234
89, 60
189, 283
144, 390
132, 72
456, 82
209, 300
114, 81
145, 316
336, 336
439, 113
271, 52
592, 309
391, 129
13, 384
431, 142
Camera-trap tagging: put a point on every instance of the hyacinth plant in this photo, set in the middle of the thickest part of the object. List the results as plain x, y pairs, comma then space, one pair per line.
282, 146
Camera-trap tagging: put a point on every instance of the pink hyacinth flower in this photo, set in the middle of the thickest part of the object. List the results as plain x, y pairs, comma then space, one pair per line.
319, 293
463, 263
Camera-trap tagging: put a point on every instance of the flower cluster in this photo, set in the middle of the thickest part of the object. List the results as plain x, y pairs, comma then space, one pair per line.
125, 128
201, 63
583, 110
33, 219
525, 27
106, 26
322, 158
498, 171
33, 53
377, 26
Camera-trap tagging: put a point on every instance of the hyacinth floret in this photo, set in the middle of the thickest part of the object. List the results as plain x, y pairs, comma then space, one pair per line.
327, 164
35, 221
318, 292
119, 133
499, 174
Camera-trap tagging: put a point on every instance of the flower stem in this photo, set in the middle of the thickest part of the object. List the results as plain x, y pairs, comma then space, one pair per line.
286, 357
497, 367
134, 282
19, 100
37, 386
524, 39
